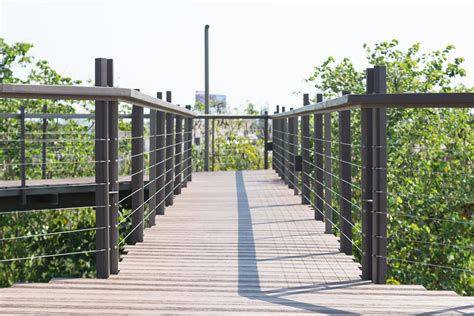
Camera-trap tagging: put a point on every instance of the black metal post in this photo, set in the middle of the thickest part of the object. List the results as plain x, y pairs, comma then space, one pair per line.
102, 174
273, 143
188, 154
137, 175
160, 159
284, 147
305, 183
265, 142
178, 154
169, 154
152, 188
190, 131
379, 206
318, 170
43, 149
328, 212
276, 142
345, 178
279, 152
23, 155
206, 97
291, 154
213, 128
113, 174
366, 180
294, 152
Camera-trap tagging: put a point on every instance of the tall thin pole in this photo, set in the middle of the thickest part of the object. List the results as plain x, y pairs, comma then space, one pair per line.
206, 97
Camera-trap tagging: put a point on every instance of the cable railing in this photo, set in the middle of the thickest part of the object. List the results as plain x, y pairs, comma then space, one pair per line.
125, 166
132, 166
236, 142
345, 160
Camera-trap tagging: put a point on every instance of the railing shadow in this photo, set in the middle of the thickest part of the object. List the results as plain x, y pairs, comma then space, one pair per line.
248, 275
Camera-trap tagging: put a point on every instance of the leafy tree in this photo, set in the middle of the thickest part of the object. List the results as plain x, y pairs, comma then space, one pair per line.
70, 144
430, 164
238, 144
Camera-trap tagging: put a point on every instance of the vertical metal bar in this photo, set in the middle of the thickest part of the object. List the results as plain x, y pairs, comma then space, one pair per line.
305, 183
265, 141
102, 174
291, 153
113, 174
187, 154
379, 206
169, 154
206, 97
276, 142
178, 154
366, 180
160, 159
318, 169
273, 142
294, 152
43, 149
213, 144
328, 212
189, 133
345, 175
284, 147
23, 155
137, 175
152, 187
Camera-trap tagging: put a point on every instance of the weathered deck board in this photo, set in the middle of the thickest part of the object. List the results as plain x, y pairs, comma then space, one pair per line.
232, 243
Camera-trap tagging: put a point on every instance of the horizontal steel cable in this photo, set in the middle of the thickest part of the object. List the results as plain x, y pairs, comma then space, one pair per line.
53, 209
145, 217
53, 255
326, 187
333, 175
158, 191
426, 242
332, 208
53, 233
333, 224
333, 141
337, 159
425, 264
422, 217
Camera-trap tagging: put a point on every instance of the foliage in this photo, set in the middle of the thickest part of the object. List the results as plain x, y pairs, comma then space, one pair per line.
235, 144
430, 165
70, 144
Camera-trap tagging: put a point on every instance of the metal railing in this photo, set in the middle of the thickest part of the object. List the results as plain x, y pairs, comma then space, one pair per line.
169, 162
342, 177
236, 141
345, 179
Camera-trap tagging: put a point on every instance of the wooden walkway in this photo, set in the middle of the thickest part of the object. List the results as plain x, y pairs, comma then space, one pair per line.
232, 243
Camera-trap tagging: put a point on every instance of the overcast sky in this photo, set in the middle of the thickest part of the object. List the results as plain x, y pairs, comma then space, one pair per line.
261, 51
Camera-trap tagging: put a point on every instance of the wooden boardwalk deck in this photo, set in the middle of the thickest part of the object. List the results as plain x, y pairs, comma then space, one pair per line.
232, 243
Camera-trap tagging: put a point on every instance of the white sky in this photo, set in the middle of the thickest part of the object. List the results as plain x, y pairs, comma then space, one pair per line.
260, 50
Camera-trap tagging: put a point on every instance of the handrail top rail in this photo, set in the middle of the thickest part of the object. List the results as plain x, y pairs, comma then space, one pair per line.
233, 116
399, 100
121, 115
65, 92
